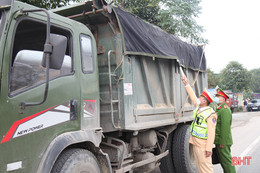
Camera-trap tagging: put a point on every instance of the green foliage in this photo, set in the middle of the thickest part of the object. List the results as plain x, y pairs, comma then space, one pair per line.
247, 93
238, 109
255, 80
48, 4
178, 17
148, 10
213, 79
235, 77
174, 16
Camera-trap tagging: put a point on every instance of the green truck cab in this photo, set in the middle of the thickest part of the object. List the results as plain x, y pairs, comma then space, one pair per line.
74, 97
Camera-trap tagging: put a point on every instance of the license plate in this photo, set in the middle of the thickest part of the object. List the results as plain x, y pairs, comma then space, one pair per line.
254, 108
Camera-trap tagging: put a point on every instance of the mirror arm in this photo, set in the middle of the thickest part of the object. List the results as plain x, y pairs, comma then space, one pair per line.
25, 104
47, 52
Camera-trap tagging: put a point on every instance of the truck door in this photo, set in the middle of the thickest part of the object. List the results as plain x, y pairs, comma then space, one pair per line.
89, 82
26, 132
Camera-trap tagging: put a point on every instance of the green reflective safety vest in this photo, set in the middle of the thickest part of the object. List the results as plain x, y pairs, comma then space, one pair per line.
199, 127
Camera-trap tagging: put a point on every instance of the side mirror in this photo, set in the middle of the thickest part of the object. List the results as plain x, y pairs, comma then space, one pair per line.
59, 45
54, 52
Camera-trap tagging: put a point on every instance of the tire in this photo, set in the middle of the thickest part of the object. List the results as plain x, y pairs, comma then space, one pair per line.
183, 158
166, 165
76, 161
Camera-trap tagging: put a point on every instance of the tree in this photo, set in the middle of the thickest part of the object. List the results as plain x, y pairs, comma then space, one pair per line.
213, 79
174, 16
235, 77
49, 4
147, 10
178, 17
247, 93
255, 80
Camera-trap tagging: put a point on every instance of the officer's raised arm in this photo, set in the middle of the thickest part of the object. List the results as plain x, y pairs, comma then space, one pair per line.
190, 91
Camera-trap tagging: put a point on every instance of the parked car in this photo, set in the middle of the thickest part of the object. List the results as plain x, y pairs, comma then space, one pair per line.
253, 105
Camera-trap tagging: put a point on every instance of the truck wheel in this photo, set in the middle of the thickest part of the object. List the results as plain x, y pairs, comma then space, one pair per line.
76, 160
183, 158
167, 162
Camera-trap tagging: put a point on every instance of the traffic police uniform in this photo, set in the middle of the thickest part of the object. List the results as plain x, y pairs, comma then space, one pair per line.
202, 132
223, 135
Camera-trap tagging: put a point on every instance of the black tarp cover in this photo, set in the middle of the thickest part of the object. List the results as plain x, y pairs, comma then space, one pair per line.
142, 38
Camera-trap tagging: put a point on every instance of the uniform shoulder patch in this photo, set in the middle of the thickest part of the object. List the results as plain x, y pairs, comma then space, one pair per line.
214, 120
219, 107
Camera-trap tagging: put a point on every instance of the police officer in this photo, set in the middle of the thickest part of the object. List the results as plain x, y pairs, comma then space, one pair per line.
202, 129
223, 138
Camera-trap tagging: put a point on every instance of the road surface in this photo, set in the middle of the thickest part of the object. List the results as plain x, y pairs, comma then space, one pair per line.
246, 138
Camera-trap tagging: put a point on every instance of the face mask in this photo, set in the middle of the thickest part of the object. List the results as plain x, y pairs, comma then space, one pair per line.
198, 102
216, 100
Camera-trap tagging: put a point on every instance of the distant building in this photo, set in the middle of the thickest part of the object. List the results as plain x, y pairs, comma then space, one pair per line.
256, 95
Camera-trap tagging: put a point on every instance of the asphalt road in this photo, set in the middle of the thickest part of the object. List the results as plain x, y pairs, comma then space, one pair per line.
246, 138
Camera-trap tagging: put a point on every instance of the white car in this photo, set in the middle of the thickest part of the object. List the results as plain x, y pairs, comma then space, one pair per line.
253, 105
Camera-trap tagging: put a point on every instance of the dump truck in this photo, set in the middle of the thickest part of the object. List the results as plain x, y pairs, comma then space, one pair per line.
92, 88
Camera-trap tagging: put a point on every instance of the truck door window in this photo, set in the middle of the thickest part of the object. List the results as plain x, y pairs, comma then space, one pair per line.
25, 65
87, 54
1, 28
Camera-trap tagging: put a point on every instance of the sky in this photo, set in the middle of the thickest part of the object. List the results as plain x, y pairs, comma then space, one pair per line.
233, 30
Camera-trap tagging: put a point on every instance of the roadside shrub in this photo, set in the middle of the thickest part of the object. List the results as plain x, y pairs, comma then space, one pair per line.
238, 109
